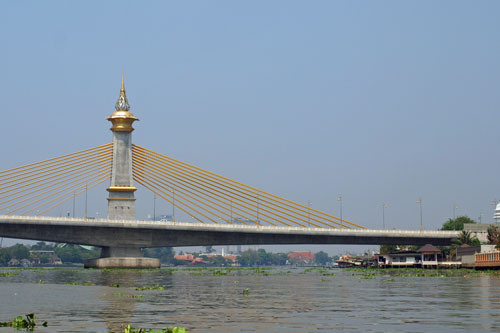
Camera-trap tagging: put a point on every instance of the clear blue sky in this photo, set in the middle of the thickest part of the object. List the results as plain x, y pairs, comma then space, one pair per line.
380, 101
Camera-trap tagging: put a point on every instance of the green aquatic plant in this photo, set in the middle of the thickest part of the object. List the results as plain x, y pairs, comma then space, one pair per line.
178, 329
152, 287
80, 283
246, 292
8, 274
19, 322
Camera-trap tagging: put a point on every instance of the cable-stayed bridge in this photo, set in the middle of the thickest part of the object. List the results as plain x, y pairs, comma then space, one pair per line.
226, 211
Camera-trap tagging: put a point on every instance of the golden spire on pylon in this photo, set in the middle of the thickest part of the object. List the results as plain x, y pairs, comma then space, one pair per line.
122, 119
122, 103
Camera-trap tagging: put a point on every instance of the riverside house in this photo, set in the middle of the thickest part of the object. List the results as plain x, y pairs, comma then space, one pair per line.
428, 256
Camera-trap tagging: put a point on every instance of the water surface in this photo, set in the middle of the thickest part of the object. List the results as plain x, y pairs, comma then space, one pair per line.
278, 300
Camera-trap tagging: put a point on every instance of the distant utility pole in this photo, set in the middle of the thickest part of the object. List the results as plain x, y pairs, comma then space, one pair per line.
173, 205
85, 202
339, 199
455, 207
384, 206
494, 204
154, 207
257, 208
419, 201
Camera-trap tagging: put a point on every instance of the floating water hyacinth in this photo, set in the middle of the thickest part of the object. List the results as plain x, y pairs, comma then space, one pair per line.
179, 329
19, 322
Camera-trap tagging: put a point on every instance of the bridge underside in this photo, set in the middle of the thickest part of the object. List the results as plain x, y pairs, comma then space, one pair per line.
121, 234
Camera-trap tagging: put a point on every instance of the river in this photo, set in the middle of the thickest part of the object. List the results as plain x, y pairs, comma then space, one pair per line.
277, 300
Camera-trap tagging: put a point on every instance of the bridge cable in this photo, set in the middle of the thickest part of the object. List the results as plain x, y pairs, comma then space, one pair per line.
300, 207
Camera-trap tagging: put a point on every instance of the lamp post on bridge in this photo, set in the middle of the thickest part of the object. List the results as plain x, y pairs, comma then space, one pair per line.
85, 202
384, 206
173, 205
154, 207
340, 201
419, 201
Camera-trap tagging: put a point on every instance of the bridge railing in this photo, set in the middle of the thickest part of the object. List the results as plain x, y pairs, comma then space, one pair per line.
97, 221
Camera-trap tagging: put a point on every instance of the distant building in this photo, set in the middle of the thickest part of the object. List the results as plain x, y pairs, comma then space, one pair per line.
14, 263
466, 254
45, 257
301, 257
403, 258
428, 256
188, 258
479, 230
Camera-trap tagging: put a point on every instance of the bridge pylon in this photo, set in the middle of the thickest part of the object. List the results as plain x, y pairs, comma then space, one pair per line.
121, 201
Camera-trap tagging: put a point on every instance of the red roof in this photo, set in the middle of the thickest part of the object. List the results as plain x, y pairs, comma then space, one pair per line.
185, 257
304, 255
429, 248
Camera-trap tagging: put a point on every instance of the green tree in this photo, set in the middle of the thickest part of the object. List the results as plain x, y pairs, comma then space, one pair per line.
458, 223
4, 256
264, 258
280, 259
493, 233
19, 251
209, 249
42, 246
248, 258
75, 254
321, 258
165, 254
386, 249
465, 237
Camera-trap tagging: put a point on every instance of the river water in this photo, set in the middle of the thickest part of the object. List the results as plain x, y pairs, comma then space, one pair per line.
278, 300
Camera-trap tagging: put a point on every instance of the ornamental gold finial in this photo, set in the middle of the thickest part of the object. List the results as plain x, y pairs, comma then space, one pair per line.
122, 119
122, 103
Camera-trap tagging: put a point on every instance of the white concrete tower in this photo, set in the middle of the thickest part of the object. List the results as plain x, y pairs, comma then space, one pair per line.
121, 201
496, 216
123, 252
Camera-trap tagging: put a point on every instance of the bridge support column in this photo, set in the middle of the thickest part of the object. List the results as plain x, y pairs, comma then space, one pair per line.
121, 201
122, 257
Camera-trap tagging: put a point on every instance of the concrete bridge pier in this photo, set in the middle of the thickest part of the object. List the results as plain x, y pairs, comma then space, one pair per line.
122, 257
121, 201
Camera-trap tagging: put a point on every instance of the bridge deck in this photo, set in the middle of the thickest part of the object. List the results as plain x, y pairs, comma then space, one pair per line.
105, 232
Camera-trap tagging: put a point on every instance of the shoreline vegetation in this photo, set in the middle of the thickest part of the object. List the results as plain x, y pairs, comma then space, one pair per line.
47, 254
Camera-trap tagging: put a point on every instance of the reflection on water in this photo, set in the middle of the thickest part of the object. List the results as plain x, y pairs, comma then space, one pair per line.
279, 300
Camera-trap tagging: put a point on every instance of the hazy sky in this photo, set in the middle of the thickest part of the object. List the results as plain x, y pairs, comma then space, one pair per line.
377, 101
